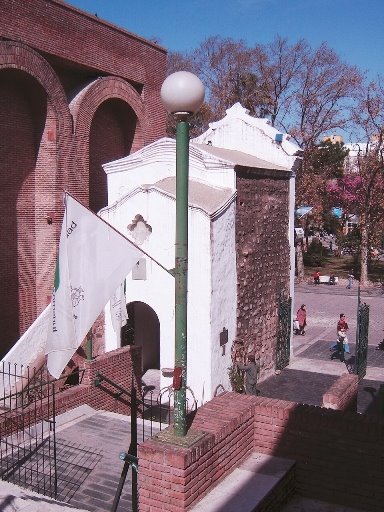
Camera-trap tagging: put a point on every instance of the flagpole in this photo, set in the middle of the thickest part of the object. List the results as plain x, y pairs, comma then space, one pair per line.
90, 345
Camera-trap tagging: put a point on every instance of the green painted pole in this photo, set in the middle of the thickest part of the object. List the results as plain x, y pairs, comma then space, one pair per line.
181, 276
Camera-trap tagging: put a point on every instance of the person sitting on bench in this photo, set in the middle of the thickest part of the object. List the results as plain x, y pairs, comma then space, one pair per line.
316, 277
332, 279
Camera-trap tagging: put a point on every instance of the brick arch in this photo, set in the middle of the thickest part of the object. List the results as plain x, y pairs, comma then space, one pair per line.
34, 140
86, 106
21, 57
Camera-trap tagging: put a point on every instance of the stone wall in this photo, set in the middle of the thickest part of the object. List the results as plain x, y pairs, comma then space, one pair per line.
263, 259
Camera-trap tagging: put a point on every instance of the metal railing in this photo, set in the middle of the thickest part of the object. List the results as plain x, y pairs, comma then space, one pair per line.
153, 412
28, 454
27, 429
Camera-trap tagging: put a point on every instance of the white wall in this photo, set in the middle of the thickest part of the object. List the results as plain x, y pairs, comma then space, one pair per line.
158, 290
199, 305
224, 295
158, 161
255, 136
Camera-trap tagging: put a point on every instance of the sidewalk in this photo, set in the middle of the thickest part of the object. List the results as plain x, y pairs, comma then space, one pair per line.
94, 439
311, 372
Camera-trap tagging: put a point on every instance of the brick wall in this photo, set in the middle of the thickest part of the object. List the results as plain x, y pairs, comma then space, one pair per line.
171, 478
62, 33
342, 395
122, 366
338, 454
68, 103
263, 260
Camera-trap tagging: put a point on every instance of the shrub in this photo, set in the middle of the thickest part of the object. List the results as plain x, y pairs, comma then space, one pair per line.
315, 255
236, 378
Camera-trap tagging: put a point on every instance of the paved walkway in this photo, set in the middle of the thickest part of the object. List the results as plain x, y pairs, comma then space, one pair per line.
311, 372
89, 442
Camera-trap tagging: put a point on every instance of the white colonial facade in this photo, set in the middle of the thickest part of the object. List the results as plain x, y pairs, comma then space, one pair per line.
238, 151
141, 198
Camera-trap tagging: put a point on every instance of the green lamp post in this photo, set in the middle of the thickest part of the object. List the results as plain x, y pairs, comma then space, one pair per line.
182, 94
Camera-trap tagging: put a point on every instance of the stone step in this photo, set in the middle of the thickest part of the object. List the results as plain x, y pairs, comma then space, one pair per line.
262, 483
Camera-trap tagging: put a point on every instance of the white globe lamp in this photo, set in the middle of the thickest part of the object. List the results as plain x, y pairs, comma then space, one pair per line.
182, 92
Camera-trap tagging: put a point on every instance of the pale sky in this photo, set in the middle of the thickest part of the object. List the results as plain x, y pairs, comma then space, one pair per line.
353, 28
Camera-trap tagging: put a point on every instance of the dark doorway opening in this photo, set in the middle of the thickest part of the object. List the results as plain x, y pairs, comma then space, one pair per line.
143, 329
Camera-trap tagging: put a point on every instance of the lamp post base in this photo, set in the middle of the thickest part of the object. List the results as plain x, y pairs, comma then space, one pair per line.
189, 439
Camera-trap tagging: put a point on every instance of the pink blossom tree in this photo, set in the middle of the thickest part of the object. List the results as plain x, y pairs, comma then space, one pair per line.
362, 193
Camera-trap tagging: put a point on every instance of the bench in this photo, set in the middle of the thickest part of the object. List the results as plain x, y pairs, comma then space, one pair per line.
325, 279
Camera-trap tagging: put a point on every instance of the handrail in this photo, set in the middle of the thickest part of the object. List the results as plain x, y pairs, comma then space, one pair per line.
28, 388
99, 378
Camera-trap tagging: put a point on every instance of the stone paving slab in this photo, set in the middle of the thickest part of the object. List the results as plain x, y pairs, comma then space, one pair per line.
246, 486
15, 499
301, 504
311, 372
320, 350
108, 434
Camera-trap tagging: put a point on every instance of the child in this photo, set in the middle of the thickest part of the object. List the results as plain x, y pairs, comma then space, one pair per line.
342, 338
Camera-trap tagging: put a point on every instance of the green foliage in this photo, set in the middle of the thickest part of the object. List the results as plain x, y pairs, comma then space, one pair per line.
327, 159
315, 255
331, 224
350, 243
236, 379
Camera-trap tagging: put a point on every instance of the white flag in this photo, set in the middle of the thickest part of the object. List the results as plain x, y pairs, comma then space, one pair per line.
119, 315
93, 260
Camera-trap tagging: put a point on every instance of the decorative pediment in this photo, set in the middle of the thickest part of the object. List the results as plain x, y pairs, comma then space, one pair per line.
140, 229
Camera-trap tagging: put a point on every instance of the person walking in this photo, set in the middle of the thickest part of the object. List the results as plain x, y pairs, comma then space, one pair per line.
301, 316
351, 277
342, 327
342, 343
343, 338
251, 372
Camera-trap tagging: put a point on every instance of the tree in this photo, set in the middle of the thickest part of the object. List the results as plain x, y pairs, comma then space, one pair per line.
277, 64
322, 102
362, 193
226, 67
369, 185
326, 87
306, 92
323, 163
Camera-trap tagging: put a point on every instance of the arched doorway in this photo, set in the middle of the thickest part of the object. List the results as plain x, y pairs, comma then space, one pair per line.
143, 329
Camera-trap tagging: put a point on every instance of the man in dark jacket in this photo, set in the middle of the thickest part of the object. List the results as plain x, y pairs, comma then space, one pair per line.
250, 375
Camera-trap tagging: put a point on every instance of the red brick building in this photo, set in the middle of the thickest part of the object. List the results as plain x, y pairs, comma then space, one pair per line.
75, 92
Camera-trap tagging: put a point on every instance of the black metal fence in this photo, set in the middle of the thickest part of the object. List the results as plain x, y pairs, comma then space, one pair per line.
283, 346
27, 429
32, 457
150, 413
362, 331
